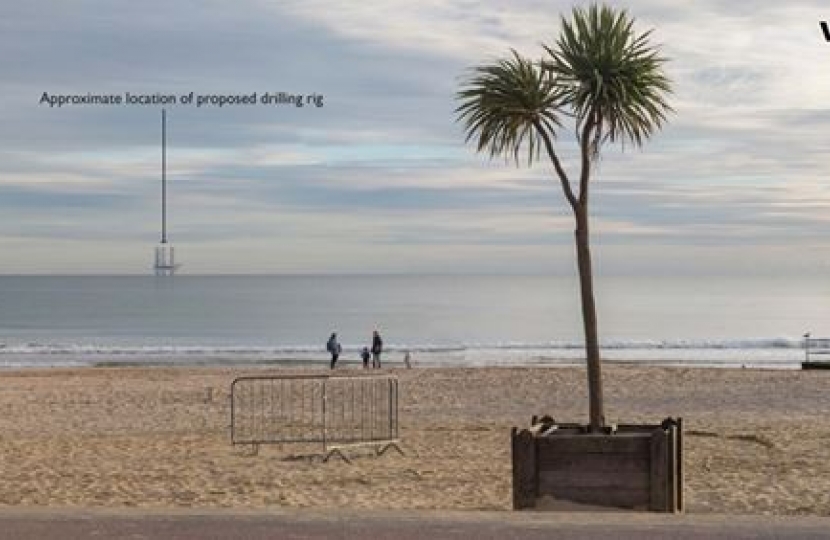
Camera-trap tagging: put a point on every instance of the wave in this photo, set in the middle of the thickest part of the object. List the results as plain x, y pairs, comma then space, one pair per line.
93, 349
704, 344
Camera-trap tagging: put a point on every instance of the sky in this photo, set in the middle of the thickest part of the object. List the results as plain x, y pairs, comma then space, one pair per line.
378, 178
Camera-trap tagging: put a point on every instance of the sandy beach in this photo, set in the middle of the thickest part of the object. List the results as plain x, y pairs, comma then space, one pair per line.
158, 437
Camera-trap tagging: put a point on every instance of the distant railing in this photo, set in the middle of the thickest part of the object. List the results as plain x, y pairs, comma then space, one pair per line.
815, 346
336, 412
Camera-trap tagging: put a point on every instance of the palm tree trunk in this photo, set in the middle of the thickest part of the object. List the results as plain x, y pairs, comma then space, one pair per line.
589, 320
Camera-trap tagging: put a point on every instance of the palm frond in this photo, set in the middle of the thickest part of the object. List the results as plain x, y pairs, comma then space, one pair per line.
609, 76
504, 104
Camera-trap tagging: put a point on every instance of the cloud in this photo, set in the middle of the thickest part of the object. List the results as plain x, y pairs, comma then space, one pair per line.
381, 168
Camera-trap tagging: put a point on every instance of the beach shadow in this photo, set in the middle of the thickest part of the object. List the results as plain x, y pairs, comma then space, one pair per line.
751, 438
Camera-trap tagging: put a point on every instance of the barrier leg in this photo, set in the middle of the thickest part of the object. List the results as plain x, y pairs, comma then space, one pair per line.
337, 451
379, 451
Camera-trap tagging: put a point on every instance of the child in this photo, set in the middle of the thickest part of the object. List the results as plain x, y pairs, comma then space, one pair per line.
365, 356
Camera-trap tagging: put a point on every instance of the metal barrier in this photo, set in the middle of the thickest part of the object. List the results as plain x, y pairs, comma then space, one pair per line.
335, 411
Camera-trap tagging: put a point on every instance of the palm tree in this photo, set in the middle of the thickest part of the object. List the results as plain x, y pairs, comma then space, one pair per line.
606, 77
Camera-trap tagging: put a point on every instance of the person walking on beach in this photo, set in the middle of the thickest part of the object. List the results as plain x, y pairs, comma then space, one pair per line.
365, 356
334, 348
377, 348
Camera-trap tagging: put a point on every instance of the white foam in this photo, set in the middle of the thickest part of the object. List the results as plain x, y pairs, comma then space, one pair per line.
756, 352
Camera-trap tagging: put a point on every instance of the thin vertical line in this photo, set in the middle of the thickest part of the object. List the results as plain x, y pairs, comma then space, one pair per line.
163, 176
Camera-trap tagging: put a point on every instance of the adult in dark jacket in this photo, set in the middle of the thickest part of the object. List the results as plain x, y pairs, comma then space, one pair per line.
377, 348
334, 348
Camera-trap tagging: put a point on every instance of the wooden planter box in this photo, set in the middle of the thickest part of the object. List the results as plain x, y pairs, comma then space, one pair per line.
638, 467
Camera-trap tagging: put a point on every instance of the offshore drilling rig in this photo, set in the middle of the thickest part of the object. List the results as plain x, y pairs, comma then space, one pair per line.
165, 264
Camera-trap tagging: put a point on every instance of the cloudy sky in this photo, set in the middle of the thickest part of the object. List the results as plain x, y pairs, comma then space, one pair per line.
378, 178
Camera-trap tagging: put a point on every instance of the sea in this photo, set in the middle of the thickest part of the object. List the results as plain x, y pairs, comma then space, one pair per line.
441, 320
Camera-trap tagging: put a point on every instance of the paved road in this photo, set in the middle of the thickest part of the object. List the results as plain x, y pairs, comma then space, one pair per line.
66, 524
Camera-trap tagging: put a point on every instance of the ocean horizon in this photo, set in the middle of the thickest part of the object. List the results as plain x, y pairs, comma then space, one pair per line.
441, 319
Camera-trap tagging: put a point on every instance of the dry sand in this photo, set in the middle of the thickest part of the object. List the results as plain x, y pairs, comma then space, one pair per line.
757, 441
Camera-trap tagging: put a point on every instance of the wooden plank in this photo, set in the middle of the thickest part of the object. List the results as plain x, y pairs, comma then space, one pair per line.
553, 481
620, 498
671, 469
625, 443
548, 461
658, 471
637, 428
524, 469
